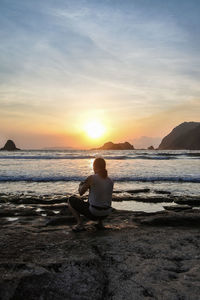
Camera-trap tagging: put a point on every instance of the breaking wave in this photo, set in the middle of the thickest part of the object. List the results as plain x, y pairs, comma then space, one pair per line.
158, 156
193, 179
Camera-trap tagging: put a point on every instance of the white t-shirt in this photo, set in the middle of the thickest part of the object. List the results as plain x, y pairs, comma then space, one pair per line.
100, 195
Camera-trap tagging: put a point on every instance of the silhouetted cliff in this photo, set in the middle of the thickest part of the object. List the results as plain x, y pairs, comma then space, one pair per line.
184, 136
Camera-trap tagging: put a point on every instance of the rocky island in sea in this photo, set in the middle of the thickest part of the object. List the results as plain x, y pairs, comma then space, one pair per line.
113, 146
184, 136
9, 146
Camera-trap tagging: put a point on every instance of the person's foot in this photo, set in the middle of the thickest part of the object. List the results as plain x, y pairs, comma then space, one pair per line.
99, 226
78, 228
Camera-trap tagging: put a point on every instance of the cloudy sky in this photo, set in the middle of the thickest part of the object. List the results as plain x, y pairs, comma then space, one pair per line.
133, 66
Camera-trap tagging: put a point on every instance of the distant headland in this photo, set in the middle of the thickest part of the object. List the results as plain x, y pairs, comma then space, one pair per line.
9, 146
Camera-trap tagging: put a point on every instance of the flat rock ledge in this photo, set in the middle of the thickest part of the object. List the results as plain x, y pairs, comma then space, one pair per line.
138, 256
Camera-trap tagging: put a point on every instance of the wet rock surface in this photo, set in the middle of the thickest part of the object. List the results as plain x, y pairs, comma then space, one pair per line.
138, 256
177, 207
192, 201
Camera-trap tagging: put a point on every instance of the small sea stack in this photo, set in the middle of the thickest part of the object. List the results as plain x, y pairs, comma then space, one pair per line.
151, 148
9, 146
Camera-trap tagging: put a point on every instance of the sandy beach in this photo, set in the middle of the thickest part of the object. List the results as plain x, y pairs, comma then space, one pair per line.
139, 255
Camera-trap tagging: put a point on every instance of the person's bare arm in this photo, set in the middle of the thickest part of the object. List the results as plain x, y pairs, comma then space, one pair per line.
85, 185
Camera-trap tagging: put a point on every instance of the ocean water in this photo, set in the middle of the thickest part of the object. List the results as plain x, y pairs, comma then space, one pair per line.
59, 172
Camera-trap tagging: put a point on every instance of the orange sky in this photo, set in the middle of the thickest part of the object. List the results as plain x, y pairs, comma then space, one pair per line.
35, 133
132, 66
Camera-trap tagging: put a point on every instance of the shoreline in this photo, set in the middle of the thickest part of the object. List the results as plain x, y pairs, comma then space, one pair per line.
28, 204
152, 255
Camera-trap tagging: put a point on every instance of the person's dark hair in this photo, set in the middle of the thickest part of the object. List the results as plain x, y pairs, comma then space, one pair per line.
100, 166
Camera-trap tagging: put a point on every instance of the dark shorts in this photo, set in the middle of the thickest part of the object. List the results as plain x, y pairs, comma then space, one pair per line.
83, 208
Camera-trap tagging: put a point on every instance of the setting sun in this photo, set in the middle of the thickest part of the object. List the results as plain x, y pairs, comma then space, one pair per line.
94, 129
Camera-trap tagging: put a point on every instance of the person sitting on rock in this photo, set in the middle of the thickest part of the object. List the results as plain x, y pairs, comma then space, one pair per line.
100, 188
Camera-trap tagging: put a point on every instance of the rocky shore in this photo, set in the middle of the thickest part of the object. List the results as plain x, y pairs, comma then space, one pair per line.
138, 256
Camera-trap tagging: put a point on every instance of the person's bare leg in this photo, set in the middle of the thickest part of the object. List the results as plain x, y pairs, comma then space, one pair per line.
100, 222
99, 225
75, 214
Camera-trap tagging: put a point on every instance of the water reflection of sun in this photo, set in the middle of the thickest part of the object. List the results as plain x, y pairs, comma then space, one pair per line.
94, 129
91, 163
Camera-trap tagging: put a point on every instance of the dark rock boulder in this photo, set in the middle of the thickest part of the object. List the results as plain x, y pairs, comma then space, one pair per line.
184, 136
9, 146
